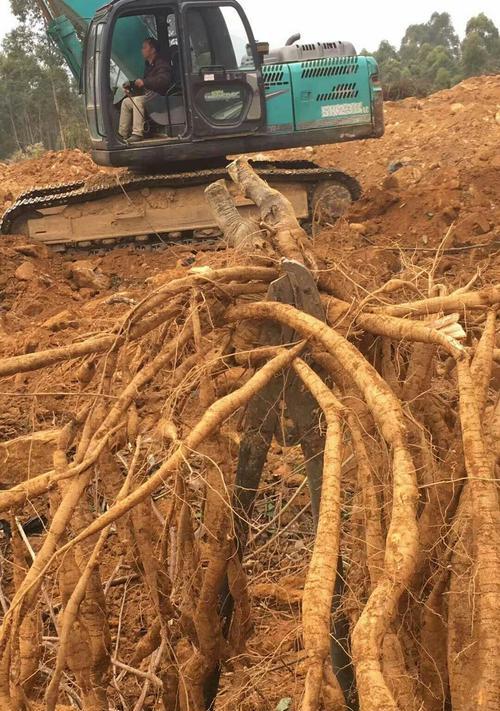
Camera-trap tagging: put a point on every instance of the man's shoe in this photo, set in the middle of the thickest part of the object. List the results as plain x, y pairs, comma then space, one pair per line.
135, 138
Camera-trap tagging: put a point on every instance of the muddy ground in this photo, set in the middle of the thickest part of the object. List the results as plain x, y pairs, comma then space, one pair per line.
432, 181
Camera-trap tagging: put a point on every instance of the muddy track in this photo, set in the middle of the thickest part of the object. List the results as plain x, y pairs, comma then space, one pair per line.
78, 192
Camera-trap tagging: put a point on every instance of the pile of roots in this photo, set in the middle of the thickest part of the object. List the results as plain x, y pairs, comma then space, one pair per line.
158, 468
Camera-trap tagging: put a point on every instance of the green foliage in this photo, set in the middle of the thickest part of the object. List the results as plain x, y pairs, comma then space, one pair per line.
40, 104
35, 151
25, 10
481, 47
431, 56
438, 32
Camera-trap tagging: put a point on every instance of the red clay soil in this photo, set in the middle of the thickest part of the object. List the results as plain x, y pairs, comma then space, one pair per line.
434, 179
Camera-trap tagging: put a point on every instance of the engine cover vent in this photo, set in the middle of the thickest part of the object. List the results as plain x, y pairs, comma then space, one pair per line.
331, 67
340, 92
274, 76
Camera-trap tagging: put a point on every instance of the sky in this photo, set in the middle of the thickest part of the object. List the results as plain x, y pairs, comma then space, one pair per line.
363, 22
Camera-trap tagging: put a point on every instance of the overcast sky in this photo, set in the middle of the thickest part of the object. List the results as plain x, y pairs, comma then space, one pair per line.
363, 22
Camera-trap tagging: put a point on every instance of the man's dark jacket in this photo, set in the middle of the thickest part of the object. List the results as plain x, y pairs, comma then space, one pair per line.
158, 76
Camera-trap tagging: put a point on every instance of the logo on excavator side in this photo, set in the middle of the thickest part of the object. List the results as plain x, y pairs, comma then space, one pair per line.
344, 109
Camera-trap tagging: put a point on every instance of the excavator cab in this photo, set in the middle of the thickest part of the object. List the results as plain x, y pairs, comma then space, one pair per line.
217, 89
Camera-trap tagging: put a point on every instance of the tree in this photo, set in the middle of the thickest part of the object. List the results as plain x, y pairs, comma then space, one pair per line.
434, 59
442, 33
481, 47
438, 31
386, 52
431, 57
25, 10
41, 102
443, 79
428, 58
487, 31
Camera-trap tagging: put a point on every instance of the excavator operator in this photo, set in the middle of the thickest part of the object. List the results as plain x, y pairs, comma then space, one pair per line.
156, 82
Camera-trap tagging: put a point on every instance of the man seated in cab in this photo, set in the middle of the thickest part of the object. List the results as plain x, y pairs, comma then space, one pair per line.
156, 82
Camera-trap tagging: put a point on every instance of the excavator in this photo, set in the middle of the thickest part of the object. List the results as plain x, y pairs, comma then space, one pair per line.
229, 95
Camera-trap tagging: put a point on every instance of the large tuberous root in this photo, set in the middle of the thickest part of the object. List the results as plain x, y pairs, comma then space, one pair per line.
320, 580
146, 521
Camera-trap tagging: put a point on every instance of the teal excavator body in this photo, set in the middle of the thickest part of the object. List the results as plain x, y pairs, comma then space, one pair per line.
330, 91
232, 94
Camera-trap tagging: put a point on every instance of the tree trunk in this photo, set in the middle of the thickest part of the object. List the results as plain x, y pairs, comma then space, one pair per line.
14, 127
58, 114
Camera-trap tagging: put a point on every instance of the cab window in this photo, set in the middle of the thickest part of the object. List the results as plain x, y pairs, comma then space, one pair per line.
199, 39
218, 39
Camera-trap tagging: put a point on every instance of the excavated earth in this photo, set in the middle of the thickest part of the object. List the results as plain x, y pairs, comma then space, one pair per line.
432, 181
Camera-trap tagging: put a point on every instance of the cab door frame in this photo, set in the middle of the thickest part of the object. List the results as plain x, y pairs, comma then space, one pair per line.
105, 134
218, 78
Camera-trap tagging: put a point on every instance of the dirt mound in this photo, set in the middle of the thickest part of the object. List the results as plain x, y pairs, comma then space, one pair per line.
52, 168
438, 164
432, 180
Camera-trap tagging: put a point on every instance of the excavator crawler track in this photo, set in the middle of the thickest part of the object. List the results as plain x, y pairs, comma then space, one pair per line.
34, 204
